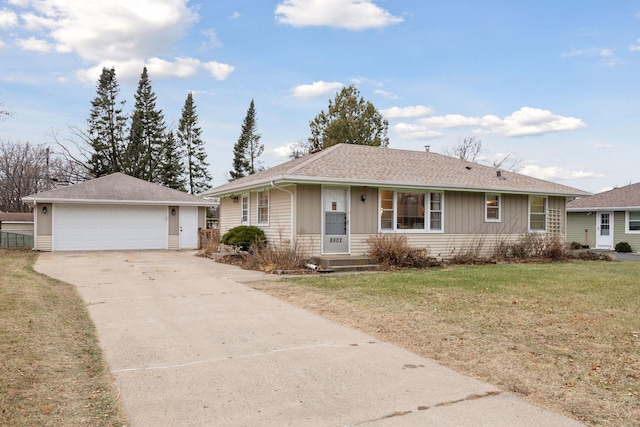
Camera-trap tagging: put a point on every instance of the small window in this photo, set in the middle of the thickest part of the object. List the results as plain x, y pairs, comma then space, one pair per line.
435, 211
633, 222
386, 210
537, 213
263, 207
245, 209
492, 208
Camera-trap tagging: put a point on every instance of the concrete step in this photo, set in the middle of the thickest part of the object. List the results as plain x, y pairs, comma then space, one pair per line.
347, 263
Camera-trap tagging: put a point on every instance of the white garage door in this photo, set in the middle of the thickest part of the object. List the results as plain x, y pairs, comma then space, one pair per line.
108, 227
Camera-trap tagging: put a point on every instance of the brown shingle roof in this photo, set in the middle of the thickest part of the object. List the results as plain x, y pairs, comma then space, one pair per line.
386, 167
623, 197
117, 188
16, 216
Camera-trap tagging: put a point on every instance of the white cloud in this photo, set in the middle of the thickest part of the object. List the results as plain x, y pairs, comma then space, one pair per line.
118, 33
552, 173
349, 14
235, 15
524, 122
34, 44
316, 89
366, 80
158, 68
414, 131
284, 151
635, 47
214, 41
452, 121
407, 112
219, 70
386, 94
2, 44
8, 19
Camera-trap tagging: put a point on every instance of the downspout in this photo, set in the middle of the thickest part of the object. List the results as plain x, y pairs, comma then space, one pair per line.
292, 209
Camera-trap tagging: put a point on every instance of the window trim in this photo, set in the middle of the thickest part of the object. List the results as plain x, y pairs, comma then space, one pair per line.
258, 207
546, 214
248, 210
486, 207
626, 222
427, 212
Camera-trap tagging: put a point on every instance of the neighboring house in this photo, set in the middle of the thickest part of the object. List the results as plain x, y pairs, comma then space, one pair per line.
116, 212
16, 229
332, 201
17, 222
605, 219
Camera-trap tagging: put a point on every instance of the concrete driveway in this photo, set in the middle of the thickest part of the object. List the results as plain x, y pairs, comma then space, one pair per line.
189, 345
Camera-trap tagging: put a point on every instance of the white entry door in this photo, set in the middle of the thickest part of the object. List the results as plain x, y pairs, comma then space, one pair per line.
188, 227
335, 226
604, 230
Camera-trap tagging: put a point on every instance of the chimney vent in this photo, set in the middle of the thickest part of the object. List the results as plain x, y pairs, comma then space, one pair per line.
499, 173
427, 148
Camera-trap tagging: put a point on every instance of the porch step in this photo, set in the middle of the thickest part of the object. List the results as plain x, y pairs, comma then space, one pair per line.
338, 263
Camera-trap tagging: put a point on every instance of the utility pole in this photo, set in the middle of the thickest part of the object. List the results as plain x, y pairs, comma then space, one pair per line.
47, 181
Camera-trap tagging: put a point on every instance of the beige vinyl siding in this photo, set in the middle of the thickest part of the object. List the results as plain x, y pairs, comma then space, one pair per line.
279, 229
18, 227
577, 223
620, 232
44, 243
309, 210
230, 214
444, 246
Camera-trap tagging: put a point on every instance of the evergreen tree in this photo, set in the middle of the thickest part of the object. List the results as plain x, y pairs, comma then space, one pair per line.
195, 156
248, 148
146, 137
171, 172
106, 126
351, 120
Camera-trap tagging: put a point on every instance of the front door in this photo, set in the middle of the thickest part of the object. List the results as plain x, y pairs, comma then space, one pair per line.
335, 226
604, 230
188, 227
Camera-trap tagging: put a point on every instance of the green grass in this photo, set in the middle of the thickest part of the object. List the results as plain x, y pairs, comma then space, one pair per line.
563, 335
51, 370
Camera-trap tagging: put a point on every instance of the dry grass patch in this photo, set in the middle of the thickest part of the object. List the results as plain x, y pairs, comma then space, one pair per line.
51, 370
565, 336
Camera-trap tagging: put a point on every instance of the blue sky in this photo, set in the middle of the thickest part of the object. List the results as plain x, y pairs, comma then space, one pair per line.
552, 82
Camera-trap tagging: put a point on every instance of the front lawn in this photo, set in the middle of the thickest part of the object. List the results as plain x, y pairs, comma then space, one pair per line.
51, 368
565, 336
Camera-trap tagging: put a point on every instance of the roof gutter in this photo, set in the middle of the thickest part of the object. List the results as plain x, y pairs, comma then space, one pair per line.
32, 201
291, 210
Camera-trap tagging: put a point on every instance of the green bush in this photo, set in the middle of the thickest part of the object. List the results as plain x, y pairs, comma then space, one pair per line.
243, 236
623, 247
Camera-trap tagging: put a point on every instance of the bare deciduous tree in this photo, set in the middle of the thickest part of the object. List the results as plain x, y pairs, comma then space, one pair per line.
508, 162
467, 149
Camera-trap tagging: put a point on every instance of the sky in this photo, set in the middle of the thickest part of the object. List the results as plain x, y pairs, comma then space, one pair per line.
551, 83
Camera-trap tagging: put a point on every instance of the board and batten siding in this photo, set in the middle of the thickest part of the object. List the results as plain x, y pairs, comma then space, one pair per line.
309, 210
581, 228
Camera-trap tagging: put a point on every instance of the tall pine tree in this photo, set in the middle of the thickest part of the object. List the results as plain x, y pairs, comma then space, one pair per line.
146, 137
197, 174
171, 172
106, 126
248, 148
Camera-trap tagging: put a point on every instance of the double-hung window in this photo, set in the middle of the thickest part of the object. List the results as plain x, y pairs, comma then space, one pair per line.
537, 213
245, 218
409, 211
263, 207
492, 207
633, 221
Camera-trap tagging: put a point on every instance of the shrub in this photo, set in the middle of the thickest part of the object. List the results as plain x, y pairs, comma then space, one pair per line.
575, 246
624, 247
243, 237
272, 257
393, 251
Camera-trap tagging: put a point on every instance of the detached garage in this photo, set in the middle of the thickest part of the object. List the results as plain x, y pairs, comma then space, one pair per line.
116, 212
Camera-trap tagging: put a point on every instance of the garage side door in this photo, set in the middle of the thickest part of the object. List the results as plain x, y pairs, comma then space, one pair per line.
108, 227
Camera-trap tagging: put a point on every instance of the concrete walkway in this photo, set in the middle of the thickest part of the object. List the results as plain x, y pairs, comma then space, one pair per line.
189, 345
